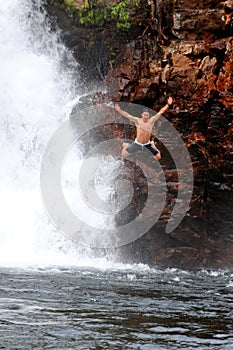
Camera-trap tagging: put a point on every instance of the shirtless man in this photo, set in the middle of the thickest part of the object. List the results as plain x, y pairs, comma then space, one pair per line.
144, 127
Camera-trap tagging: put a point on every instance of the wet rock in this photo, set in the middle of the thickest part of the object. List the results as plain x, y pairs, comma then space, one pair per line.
224, 82
193, 62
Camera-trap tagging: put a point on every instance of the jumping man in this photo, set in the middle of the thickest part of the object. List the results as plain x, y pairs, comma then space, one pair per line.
144, 127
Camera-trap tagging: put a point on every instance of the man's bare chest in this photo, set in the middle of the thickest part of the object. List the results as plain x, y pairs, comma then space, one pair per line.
147, 127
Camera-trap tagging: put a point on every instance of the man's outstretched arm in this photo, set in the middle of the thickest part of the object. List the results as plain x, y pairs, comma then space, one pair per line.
126, 114
162, 110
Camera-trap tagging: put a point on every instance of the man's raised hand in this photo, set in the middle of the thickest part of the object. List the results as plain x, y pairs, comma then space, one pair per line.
169, 100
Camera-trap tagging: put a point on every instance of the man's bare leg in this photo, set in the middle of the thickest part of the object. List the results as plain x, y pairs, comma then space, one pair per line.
124, 153
158, 155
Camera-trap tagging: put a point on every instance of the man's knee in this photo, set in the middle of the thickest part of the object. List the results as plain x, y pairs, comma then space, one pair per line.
158, 156
125, 144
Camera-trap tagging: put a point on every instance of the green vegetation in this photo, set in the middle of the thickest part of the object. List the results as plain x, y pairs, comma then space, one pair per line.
96, 14
70, 3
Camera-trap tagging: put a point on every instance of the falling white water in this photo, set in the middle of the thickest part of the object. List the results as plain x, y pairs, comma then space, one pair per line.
36, 94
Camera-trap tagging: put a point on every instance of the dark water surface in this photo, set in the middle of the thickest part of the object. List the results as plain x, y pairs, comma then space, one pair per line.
127, 307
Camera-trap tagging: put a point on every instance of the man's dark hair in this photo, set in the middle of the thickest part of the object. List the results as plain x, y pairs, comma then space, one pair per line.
146, 110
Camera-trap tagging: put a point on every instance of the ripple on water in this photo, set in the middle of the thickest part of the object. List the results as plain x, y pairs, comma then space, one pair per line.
131, 308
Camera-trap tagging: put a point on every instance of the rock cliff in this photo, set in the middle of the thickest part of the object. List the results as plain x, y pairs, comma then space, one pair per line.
183, 49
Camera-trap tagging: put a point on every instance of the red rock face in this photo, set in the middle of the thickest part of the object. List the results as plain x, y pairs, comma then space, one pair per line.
224, 83
196, 69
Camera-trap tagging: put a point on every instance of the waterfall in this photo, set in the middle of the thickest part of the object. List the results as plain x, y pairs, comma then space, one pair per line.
38, 85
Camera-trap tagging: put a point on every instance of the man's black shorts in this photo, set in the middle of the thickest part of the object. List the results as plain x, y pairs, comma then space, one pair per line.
135, 147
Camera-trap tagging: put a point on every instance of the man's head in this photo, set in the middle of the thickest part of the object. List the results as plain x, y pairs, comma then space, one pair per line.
145, 116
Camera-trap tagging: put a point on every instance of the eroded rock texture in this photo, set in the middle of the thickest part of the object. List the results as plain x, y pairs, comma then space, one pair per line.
185, 51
